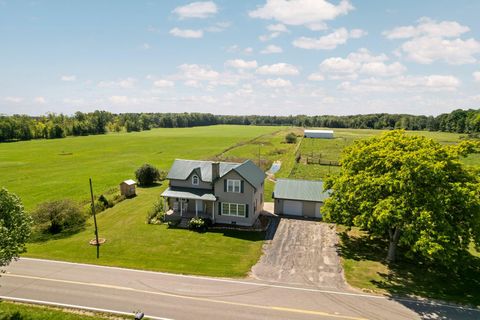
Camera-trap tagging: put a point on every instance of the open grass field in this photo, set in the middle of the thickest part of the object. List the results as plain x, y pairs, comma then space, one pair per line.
20, 311
41, 170
132, 243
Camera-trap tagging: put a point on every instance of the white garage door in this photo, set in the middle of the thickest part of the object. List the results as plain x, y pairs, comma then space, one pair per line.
293, 208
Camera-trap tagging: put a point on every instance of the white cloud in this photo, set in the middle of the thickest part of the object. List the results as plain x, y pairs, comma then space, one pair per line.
275, 31
476, 76
329, 41
218, 27
186, 33
199, 9
383, 70
162, 83
427, 27
318, 26
426, 50
360, 62
277, 83
277, 28
241, 64
119, 99
301, 12
316, 77
197, 72
126, 83
436, 83
278, 69
431, 41
146, 46
40, 100
68, 78
271, 49
237, 49
13, 99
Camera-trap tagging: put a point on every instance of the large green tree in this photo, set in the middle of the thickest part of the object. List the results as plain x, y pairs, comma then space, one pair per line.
14, 227
410, 190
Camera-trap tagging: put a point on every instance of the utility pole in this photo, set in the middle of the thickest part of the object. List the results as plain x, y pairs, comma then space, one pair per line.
94, 220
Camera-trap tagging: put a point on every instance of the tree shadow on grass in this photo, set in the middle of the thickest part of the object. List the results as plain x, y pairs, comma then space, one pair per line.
408, 278
43, 236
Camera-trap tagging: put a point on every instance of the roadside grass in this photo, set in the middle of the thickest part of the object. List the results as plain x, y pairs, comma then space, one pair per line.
366, 269
21, 311
131, 243
41, 170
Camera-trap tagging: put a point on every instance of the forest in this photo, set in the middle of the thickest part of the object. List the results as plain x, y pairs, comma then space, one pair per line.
52, 126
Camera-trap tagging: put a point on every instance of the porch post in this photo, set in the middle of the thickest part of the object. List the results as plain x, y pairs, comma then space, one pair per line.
196, 208
181, 209
213, 211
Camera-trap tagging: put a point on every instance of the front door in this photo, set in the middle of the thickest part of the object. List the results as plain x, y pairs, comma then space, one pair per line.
199, 206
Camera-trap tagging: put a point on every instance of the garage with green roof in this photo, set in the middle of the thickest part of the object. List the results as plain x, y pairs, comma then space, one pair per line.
299, 197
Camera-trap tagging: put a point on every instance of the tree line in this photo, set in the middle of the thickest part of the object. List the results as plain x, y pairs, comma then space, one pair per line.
52, 126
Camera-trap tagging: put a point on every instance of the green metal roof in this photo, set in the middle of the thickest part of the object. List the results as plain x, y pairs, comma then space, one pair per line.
305, 190
181, 170
250, 172
189, 193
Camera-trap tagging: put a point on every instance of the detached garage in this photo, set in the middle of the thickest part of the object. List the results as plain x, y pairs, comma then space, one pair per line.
299, 197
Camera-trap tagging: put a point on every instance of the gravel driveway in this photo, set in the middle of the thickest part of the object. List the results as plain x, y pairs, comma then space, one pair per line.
302, 252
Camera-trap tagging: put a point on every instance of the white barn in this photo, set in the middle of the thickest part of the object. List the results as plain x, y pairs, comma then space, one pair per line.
321, 134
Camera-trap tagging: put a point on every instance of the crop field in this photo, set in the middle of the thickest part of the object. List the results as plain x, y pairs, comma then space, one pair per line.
41, 170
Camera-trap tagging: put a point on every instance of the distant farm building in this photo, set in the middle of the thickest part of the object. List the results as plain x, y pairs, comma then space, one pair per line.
320, 134
127, 188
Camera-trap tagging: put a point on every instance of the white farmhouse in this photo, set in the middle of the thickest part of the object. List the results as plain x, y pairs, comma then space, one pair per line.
321, 134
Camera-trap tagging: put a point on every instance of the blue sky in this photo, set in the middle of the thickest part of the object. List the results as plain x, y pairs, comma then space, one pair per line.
273, 57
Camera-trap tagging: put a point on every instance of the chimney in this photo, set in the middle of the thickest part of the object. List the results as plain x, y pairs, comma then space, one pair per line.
215, 171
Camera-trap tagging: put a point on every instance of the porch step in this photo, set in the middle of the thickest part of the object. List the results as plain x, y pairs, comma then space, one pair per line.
184, 223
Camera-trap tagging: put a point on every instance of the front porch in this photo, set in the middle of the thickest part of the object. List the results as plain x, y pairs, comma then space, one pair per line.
188, 203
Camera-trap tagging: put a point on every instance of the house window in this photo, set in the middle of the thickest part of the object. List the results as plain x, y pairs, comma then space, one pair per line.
233, 186
233, 209
195, 180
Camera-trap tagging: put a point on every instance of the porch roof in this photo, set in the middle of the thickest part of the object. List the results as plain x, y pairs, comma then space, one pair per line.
189, 193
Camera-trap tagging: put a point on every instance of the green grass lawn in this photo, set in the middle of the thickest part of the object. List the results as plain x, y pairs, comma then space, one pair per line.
364, 264
20, 311
132, 243
41, 170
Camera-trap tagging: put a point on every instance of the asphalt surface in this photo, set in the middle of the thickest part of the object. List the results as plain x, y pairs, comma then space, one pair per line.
302, 252
169, 296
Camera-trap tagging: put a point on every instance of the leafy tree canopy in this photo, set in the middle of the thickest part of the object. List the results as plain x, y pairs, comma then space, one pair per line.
58, 216
412, 191
147, 174
14, 227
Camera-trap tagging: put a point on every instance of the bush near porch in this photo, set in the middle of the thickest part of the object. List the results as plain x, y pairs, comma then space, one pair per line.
132, 243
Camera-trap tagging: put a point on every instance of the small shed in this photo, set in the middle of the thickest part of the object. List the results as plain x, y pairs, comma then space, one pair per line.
127, 188
320, 134
299, 197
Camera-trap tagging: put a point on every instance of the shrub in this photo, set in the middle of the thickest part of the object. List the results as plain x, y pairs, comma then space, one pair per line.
58, 216
147, 174
156, 215
197, 224
105, 201
291, 138
174, 223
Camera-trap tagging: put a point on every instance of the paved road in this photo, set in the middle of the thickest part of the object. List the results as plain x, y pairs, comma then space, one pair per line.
168, 296
302, 252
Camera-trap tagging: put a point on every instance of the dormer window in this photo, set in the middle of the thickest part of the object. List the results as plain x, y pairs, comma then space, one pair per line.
195, 180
